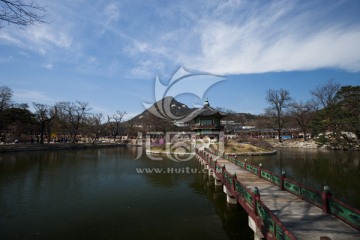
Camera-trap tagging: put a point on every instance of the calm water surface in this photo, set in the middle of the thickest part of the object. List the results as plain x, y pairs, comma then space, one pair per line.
98, 194
340, 170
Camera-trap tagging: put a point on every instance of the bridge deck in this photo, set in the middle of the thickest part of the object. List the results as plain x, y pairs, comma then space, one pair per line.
304, 220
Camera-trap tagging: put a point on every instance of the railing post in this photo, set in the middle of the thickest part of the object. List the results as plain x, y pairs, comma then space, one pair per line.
283, 176
233, 185
223, 173
259, 172
325, 195
255, 200
245, 164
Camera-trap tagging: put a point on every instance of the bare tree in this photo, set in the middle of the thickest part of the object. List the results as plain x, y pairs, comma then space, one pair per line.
114, 123
94, 125
5, 102
72, 114
225, 110
5, 97
278, 100
44, 114
20, 105
303, 114
21, 12
325, 95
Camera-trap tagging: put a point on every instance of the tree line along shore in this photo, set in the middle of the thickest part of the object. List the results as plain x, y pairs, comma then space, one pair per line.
331, 118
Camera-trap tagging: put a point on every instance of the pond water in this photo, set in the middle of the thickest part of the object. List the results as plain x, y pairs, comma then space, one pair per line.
98, 194
107, 194
340, 170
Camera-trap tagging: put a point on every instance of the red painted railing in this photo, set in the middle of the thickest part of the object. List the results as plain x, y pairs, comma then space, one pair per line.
265, 220
324, 199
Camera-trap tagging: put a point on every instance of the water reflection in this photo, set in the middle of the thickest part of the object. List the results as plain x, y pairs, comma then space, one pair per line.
232, 216
98, 194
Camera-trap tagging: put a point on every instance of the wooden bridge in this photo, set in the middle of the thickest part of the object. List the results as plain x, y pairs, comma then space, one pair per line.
278, 207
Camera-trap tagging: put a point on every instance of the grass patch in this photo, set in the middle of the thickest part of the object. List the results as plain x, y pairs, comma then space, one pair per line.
232, 146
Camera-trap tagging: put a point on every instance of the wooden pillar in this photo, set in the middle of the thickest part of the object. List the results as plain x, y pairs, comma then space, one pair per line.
259, 170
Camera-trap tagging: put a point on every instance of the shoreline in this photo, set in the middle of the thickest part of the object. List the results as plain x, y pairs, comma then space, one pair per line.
27, 147
165, 152
238, 154
310, 144
273, 152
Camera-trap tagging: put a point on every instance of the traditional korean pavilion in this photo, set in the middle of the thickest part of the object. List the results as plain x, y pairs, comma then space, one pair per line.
207, 120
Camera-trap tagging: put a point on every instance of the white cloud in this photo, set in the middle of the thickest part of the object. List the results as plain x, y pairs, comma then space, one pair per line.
224, 37
270, 39
112, 13
29, 96
45, 35
41, 39
145, 69
248, 37
226, 50
49, 66
10, 39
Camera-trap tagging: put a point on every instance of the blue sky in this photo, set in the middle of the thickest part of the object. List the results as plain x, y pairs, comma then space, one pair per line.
108, 53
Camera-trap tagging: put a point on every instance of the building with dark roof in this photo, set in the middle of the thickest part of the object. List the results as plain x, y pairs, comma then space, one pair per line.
206, 120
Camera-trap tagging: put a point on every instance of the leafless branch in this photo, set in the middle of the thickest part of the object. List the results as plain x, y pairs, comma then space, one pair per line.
21, 12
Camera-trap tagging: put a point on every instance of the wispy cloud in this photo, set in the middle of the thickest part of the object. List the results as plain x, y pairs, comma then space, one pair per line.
275, 38
112, 13
29, 96
48, 66
5, 59
8, 38
253, 37
137, 40
46, 36
41, 39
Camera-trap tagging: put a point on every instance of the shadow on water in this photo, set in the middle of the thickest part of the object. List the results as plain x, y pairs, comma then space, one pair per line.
232, 215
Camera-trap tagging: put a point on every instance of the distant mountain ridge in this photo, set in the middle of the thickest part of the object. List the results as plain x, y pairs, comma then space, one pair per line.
180, 109
176, 108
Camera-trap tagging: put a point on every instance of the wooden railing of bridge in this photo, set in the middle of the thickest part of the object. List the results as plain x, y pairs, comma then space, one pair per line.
251, 201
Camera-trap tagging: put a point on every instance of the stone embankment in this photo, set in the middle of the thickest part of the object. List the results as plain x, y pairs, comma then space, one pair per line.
54, 146
311, 144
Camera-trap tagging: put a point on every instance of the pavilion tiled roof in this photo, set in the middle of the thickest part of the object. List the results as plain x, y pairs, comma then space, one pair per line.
204, 111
